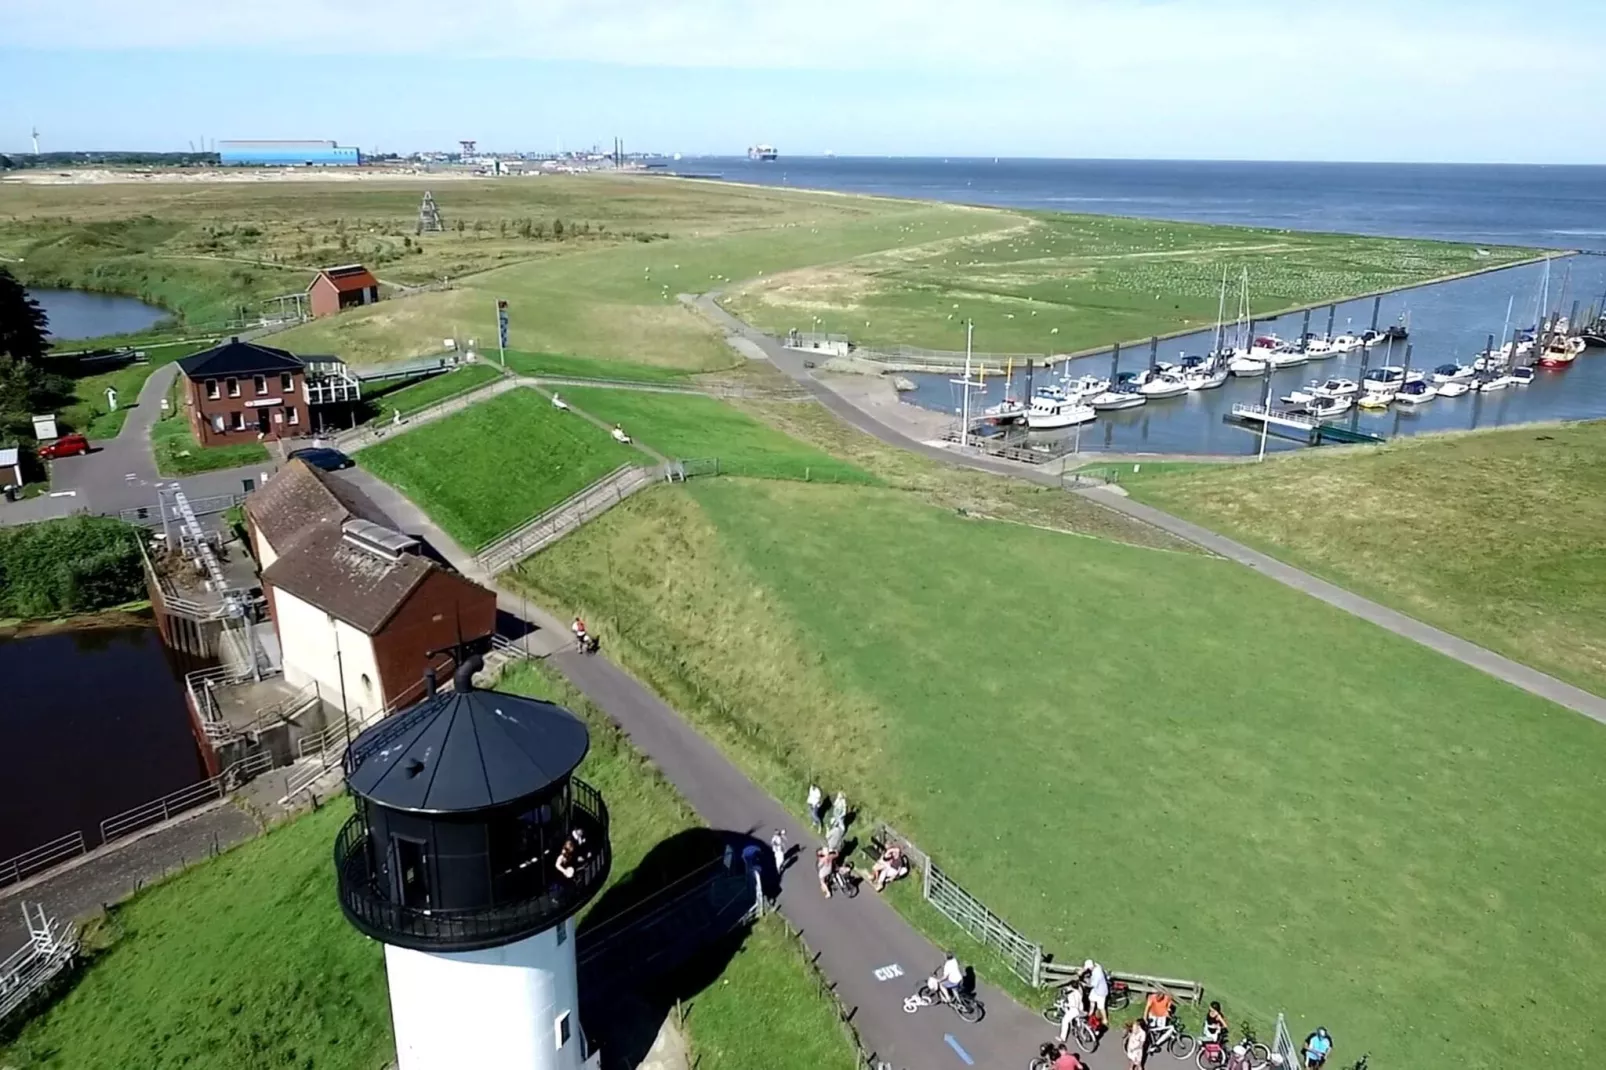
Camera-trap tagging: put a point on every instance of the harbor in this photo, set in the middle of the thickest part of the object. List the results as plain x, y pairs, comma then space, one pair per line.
1450, 323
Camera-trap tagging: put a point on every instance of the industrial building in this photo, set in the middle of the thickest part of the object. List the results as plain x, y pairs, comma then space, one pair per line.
286, 154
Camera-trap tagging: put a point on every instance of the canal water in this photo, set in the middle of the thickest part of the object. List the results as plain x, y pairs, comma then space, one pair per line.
78, 314
93, 723
1449, 322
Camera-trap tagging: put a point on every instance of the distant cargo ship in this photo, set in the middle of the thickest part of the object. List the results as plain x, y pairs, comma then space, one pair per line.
762, 152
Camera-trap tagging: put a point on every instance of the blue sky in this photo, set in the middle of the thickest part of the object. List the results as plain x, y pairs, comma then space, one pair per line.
1431, 80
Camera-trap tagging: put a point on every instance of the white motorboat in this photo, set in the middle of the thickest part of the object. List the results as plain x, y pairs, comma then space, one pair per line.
1086, 386
1416, 392
1247, 365
1388, 377
1297, 398
1051, 391
1323, 408
1319, 349
1005, 412
1048, 414
1346, 343
1370, 338
1453, 373
1285, 358
1499, 382
1120, 396
1454, 388
1164, 384
1376, 399
1521, 376
1335, 388
1205, 376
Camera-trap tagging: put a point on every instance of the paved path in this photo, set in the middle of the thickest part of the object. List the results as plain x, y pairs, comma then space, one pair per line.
1503, 668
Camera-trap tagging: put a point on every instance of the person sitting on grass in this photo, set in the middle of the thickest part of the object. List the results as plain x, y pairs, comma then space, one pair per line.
888, 868
619, 435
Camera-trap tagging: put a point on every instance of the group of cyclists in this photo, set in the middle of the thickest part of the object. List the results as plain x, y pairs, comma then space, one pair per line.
1083, 1009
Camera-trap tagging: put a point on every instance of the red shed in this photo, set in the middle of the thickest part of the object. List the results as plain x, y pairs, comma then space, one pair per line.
342, 287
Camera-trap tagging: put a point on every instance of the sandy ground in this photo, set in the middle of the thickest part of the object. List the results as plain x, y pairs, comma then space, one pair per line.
876, 396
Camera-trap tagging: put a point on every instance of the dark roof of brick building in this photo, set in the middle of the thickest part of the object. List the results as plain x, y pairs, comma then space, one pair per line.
299, 498
235, 357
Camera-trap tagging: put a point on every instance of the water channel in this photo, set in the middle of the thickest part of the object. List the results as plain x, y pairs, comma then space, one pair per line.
1449, 322
79, 314
94, 722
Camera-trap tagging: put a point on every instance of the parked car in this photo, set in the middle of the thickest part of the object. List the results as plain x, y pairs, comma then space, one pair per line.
330, 460
65, 446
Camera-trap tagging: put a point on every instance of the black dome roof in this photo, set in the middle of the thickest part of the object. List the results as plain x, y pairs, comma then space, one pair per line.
466, 750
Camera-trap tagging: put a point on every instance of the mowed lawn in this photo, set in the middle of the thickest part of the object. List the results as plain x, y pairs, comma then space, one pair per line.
1159, 759
685, 426
481, 472
1498, 536
246, 960
412, 397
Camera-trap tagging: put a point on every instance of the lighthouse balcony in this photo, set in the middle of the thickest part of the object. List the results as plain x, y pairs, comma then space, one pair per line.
477, 886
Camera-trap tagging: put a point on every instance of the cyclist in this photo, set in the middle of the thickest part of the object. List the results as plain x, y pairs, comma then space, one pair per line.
1215, 1024
1075, 1007
1158, 1009
1059, 1057
579, 630
1318, 1046
1097, 983
951, 977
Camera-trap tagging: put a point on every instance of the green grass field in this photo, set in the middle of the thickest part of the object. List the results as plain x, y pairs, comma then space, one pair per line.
1160, 759
1062, 283
246, 961
1493, 535
178, 454
88, 414
560, 364
410, 397
684, 426
481, 472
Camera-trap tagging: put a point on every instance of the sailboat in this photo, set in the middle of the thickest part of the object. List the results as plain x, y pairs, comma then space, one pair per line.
1212, 371
1011, 408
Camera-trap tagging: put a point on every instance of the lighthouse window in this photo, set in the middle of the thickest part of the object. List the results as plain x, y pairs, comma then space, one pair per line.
561, 1028
411, 877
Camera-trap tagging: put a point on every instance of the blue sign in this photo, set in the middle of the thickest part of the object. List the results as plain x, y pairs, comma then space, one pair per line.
501, 324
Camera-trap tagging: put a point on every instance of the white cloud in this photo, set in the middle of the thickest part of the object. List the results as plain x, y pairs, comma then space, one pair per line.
1273, 44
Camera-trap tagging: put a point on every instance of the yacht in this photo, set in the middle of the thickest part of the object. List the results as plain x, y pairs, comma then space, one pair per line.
1285, 358
1370, 338
1416, 392
1454, 388
1387, 378
1453, 373
1561, 352
1086, 386
1499, 382
1521, 376
1048, 414
1346, 343
1005, 412
1323, 408
1319, 349
1051, 391
1247, 364
1206, 376
1165, 384
1120, 396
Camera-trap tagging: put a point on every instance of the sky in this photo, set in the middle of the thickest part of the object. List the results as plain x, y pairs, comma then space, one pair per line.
1405, 80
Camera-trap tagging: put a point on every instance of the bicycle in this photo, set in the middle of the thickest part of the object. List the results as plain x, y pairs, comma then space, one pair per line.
845, 881
967, 1006
1173, 1039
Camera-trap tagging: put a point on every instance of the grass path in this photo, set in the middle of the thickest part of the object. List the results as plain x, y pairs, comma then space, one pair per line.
1160, 759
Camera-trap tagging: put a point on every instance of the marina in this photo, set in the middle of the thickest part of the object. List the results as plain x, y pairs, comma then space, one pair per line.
1451, 326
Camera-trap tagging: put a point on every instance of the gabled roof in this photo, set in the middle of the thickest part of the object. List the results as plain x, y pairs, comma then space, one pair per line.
347, 277
350, 583
235, 357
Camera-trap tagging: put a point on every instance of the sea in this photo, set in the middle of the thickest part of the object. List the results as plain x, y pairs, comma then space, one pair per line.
1548, 207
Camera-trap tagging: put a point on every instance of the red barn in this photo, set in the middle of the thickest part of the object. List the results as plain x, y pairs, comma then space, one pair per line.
338, 288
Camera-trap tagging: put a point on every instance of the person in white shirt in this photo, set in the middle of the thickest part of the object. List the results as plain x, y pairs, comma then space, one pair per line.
952, 975
1098, 989
816, 801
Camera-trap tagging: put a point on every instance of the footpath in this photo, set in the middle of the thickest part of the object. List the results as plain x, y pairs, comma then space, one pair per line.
856, 942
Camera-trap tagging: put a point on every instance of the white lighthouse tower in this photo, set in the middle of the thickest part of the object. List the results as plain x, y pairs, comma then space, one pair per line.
472, 849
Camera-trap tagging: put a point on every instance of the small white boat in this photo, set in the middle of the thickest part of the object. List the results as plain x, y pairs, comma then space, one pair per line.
1346, 343
1416, 392
1453, 373
1454, 388
1323, 408
1048, 414
1520, 376
1370, 338
1086, 386
1499, 382
1319, 349
1052, 391
1387, 378
1247, 365
1285, 358
1165, 384
1205, 376
1335, 388
1376, 399
1007, 411
1121, 396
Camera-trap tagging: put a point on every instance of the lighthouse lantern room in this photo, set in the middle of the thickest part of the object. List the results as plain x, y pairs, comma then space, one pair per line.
472, 849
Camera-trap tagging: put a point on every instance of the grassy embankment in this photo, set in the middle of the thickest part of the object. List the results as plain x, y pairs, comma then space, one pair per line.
1062, 283
176, 451
408, 396
1495, 536
481, 472
246, 961
1254, 789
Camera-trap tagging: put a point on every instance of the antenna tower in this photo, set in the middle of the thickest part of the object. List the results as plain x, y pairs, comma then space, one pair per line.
468, 145
429, 216
36, 141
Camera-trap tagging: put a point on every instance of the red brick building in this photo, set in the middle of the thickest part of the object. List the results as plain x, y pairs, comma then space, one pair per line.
343, 287
244, 392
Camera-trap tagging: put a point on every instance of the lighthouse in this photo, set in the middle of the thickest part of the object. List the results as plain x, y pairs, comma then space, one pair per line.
472, 849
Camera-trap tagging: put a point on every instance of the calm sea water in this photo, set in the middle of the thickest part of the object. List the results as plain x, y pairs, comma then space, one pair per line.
78, 314
1549, 207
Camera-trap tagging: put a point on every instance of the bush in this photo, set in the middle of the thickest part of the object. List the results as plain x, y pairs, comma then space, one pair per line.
75, 565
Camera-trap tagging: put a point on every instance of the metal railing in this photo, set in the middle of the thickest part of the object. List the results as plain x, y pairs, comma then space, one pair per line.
368, 902
598, 498
49, 951
164, 510
20, 867
1282, 1043
177, 802
358, 438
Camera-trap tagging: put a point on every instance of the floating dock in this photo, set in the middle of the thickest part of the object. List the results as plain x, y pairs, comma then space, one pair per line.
1299, 426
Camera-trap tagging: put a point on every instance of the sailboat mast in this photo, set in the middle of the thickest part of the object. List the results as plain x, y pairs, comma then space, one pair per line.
1221, 317
964, 428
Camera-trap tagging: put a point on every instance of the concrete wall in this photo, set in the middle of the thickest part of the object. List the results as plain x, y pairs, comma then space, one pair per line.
309, 639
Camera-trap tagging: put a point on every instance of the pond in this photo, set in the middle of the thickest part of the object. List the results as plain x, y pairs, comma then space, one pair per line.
79, 314
1448, 321
94, 722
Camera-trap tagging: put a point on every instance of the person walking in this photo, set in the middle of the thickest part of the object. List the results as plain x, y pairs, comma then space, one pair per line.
778, 845
839, 809
834, 837
816, 804
1137, 1043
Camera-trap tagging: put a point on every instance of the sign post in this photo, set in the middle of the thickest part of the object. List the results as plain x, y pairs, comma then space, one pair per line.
501, 331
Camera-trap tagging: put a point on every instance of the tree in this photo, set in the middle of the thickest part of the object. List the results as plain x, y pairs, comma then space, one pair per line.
22, 322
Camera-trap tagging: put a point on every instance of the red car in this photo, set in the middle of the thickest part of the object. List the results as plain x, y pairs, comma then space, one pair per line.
65, 446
